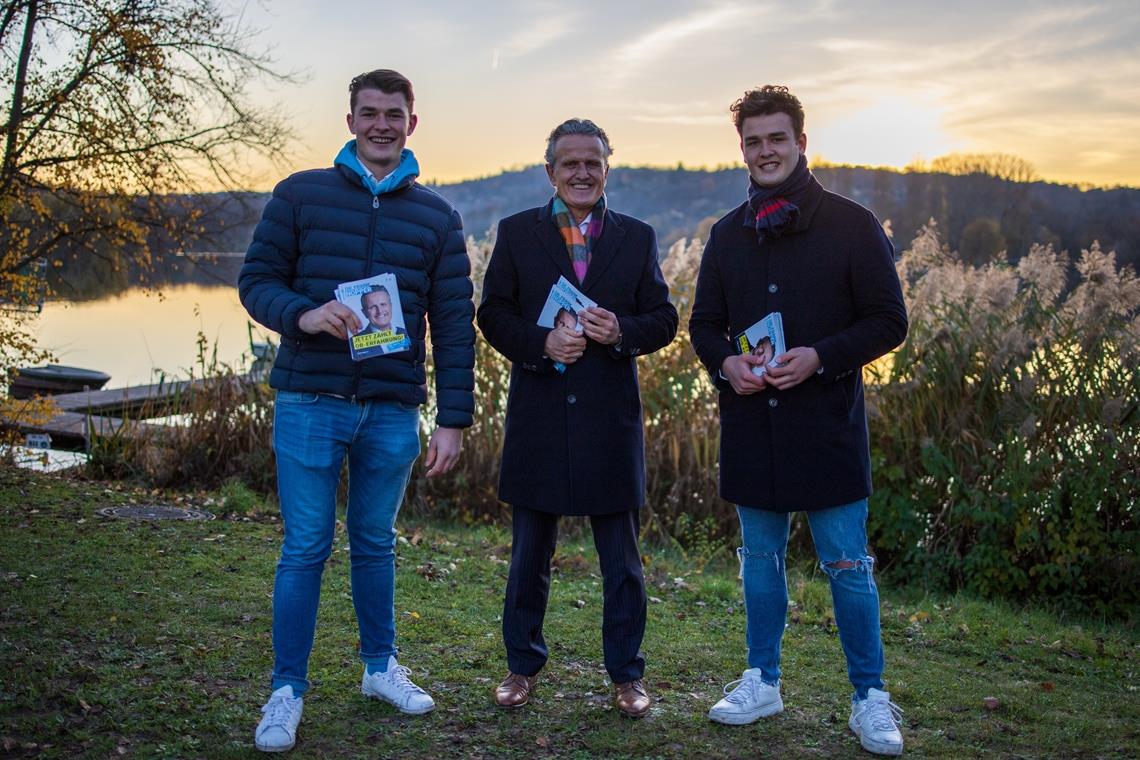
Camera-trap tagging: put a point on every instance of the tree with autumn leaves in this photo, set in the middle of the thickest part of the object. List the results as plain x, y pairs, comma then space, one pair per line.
109, 107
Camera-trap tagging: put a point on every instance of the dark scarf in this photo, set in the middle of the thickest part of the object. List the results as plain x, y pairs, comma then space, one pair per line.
774, 210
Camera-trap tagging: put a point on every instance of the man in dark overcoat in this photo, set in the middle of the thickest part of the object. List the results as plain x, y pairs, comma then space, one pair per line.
573, 432
795, 438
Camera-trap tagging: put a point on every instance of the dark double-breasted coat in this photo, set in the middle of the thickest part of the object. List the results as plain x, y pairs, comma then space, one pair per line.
573, 441
832, 278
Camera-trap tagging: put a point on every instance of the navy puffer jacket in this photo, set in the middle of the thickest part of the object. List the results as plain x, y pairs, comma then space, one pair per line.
322, 228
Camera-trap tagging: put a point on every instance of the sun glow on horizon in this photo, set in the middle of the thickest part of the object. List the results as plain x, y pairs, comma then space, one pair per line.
894, 132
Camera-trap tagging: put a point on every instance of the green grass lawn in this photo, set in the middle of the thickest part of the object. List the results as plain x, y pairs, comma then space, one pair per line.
144, 639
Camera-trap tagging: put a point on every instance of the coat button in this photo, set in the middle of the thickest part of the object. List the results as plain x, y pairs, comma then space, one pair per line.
571, 399
772, 288
773, 403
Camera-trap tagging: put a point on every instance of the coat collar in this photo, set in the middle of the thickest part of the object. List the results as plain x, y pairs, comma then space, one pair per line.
600, 259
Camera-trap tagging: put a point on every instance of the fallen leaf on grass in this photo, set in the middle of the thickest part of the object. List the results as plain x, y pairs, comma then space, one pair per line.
991, 703
652, 599
543, 742
1048, 686
579, 603
920, 617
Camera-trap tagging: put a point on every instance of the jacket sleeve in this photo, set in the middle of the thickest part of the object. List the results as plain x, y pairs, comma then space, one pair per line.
654, 324
450, 312
265, 283
708, 322
520, 340
880, 312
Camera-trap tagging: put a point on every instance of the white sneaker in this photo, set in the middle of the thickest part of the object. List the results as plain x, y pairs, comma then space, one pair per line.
876, 721
277, 731
394, 687
750, 700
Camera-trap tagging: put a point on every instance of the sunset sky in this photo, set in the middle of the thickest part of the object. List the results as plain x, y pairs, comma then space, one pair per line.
883, 83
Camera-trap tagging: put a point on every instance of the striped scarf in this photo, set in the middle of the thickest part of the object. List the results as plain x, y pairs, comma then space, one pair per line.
579, 246
773, 210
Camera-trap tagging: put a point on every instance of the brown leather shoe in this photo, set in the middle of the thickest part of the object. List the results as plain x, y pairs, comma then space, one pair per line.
514, 691
631, 698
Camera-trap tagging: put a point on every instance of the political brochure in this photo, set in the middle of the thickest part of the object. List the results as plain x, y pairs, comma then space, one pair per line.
383, 332
764, 339
562, 307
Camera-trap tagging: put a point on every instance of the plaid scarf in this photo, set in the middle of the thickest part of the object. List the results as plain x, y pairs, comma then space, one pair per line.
774, 210
580, 247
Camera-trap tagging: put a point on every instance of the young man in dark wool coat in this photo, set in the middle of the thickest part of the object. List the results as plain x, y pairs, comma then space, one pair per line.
795, 438
573, 433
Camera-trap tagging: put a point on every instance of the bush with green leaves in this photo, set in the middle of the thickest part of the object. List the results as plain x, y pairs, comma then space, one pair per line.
1006, 430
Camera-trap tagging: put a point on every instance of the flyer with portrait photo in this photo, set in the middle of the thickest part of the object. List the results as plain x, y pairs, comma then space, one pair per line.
561, 309
564, 302
764, 339
376, 302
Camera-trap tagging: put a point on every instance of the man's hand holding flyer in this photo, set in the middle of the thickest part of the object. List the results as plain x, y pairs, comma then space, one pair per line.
376, 302
764, 339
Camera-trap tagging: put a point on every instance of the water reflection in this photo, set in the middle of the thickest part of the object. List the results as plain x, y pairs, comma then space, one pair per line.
139, 334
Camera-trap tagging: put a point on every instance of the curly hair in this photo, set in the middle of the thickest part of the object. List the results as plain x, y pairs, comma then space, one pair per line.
766, 101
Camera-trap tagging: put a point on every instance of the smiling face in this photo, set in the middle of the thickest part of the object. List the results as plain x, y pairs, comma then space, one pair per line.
763, 349
377, 306
381, 122
770, 147
566, 319
579, 172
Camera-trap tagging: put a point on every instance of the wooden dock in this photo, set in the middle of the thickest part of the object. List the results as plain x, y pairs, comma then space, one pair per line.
112, 412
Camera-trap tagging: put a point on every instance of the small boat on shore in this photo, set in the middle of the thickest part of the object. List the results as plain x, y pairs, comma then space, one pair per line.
52, 379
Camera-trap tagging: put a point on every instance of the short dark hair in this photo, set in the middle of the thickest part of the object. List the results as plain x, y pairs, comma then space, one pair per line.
384, 80
766, 101
372, 291
577, 127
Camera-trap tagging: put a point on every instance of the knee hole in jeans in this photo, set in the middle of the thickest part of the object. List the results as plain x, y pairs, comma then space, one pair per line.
861, 565
742, 554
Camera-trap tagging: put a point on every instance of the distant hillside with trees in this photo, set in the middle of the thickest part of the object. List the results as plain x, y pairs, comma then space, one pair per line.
977, 213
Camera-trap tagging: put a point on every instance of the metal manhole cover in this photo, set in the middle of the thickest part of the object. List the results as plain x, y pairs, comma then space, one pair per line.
155, 512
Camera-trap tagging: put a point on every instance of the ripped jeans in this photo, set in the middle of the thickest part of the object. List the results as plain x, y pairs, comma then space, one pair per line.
840, 536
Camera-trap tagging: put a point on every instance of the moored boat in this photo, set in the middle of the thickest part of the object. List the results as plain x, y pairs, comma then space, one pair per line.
55, 378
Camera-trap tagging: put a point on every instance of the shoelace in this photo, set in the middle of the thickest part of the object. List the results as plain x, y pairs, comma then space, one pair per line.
742, 693
400, 678
884, 715
279, 709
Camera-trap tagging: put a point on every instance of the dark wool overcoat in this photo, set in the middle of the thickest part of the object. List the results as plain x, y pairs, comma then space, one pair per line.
322, 228
832, 277
573, 442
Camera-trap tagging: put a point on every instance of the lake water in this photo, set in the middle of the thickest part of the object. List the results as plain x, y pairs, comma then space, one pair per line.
138, 334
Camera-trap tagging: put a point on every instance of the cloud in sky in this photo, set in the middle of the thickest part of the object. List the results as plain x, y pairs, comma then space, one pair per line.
1053, 82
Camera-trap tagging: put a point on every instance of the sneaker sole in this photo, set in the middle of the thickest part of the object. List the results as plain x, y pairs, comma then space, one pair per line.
263, 748
876, 748
743, 719
404, 710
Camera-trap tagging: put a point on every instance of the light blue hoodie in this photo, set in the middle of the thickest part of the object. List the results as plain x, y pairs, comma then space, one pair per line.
407, 170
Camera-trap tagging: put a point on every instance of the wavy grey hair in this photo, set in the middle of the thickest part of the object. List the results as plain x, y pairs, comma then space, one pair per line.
577, 127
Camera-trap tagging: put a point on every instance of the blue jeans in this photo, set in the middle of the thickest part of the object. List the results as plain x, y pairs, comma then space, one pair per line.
840, 536
311, 435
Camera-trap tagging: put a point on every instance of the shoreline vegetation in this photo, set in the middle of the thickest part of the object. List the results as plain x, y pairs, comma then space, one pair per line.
1005, 433
151, 638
